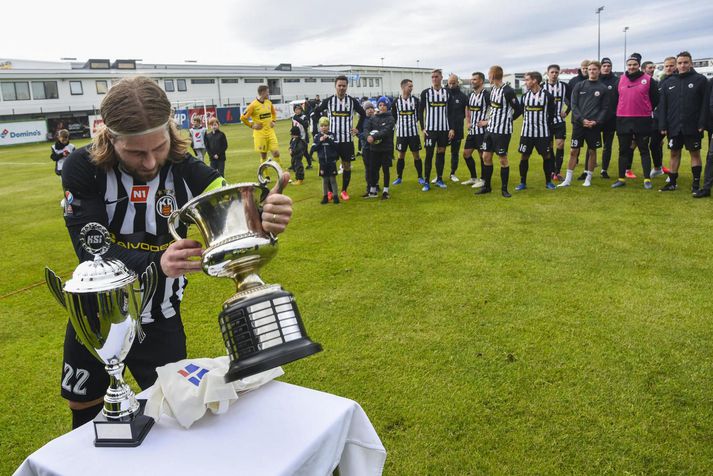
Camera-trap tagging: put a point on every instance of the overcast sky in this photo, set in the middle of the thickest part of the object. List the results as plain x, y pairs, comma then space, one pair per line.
459, 37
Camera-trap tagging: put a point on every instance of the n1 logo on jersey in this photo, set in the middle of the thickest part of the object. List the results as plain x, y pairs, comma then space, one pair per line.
139, 194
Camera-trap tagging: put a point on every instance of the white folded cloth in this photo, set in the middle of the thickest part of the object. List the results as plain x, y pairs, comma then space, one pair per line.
185, 389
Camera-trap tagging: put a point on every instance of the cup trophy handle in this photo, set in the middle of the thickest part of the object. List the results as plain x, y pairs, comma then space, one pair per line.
54, 283
142, 294
174, 221
263, 180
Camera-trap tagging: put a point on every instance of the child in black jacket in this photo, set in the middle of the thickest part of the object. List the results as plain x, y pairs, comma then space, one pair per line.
298, 148
216, 144
60, 150
327, 154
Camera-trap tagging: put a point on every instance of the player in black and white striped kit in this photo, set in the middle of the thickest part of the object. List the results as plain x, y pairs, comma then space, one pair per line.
504, 109
538, 114
340, 109
435, 115
405, 111
561, 93
476, 112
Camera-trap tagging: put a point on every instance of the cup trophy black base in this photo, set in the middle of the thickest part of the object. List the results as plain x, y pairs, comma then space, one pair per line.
127, 432
262, 330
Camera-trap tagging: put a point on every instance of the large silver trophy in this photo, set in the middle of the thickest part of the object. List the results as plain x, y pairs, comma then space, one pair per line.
105, 300
261, 324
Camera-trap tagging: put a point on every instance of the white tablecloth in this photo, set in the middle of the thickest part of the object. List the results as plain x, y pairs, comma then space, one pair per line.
278, 429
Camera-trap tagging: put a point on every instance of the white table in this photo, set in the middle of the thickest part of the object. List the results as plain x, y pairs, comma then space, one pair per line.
278, 429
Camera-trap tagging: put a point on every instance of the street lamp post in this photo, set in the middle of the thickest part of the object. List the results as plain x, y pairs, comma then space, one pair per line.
598, 11
626, 28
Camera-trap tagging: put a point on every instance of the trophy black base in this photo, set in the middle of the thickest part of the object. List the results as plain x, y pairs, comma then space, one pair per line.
126, 433
270, 358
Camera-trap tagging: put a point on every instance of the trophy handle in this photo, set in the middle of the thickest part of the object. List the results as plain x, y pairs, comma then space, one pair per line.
147, 287
54, 283
264, 180
174, 221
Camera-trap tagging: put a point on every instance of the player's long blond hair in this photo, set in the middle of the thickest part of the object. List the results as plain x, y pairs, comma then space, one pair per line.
134, 105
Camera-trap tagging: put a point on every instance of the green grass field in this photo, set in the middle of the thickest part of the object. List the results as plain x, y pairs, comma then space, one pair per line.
563, 332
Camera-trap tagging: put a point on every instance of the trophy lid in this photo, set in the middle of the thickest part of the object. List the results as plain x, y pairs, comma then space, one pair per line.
98, 274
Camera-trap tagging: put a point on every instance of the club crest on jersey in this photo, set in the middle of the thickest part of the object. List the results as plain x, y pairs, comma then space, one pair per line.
166, 205
139, 194
597, 93
643, 81
690, 85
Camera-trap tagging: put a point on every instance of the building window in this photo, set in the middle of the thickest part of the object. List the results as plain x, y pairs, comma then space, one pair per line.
376, 82
19, 91
310, 80
254, 80
168, 85
291, 80
326, 80
101, 86
202, 81
181, 85
230, 80
44, 90
363, 82
75, 88
371, 82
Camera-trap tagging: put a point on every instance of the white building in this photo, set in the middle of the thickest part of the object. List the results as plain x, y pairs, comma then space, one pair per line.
39, 89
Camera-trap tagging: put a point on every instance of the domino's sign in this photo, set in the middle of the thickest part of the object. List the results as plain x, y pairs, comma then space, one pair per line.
22, 132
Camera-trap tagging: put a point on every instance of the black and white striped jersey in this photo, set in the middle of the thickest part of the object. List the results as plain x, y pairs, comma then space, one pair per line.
478, 108
504, 109
405, 111
560, 92
537, 113
341, 113
435, 110
136, 214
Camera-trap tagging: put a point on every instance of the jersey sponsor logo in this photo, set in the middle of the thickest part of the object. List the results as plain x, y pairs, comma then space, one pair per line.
142, 246
265, 115
534, 108
139, 194
341, 114
406, 113
193, 373
437, 104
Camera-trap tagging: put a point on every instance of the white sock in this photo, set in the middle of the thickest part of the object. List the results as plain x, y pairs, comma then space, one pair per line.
373, 190
386, 189
589, 175
568, 175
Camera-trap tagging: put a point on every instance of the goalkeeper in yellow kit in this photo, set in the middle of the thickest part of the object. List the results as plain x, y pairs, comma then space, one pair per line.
260, 116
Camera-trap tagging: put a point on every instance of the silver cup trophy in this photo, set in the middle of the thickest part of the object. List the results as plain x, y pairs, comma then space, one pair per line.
105, 300
261, 324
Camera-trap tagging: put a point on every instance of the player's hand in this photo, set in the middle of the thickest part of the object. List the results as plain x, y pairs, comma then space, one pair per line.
176, 261
355, 131
257, 126
425, 133
370, 139
277, 209
664, 132
272, 124
451, 134
482, 123
563, 114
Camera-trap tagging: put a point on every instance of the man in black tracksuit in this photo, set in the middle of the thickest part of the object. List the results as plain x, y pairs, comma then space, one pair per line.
682, 118
590, 108
611, 81
582, 75
705, 191
656, 144
460, 102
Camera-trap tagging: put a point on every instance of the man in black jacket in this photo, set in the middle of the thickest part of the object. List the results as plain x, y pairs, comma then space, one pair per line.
611, 81
705, 191
656, 144
460, 101
582, 75
682, 118
590, 108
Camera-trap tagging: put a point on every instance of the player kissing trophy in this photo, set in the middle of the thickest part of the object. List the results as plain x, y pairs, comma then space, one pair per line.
105, 300
261, 324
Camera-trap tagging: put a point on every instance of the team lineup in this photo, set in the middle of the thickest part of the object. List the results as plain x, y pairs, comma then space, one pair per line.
635, 107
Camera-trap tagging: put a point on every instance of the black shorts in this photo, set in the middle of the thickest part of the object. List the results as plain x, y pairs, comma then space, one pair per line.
540, 144
84, 378
436, 139
474, 141
559, 131
692, 142
592, 136
497, 143
345, 151
381, 158
412, 143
